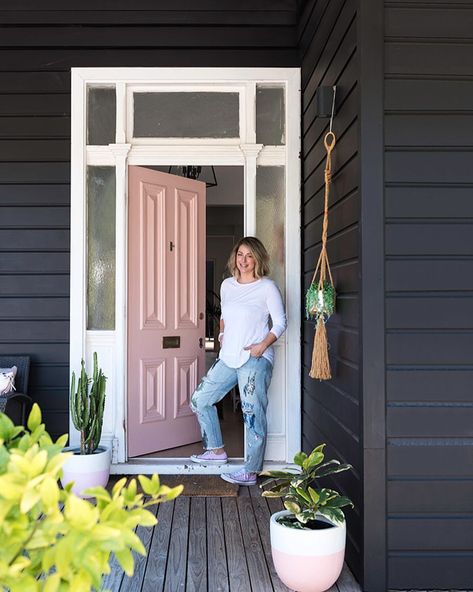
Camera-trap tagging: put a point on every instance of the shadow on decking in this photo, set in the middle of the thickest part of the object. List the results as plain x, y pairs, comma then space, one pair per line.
210, 544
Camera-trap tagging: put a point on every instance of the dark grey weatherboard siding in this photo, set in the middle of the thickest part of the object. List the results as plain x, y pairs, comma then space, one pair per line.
40, 42
331, 410
429, 292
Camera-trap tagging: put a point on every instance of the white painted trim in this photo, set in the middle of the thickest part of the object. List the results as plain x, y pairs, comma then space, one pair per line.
205, 153
120, 152
182, 466
272, 156
170, 155
251, 152
78, 275
293, 269
250, 110
209, 154
120, 133
131, 75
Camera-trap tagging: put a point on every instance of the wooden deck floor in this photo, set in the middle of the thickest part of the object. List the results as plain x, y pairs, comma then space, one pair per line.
210, 544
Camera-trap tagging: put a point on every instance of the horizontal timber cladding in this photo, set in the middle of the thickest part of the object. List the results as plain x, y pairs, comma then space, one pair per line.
428, 107
331, 410
39, 47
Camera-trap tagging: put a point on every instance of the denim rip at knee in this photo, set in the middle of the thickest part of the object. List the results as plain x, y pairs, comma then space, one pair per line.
253, 380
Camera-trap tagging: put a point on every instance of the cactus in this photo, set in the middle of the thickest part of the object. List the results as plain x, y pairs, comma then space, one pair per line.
87, 407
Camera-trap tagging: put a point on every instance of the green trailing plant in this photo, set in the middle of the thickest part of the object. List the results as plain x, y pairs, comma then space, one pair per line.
300, 492
87, 406
320, 301
53, 541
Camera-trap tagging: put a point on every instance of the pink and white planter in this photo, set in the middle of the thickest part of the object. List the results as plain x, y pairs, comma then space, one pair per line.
87, 470
307, 560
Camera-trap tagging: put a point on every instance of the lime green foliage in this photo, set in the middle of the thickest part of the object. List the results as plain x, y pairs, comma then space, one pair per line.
87, 406
53, 541
320, 302
298, 488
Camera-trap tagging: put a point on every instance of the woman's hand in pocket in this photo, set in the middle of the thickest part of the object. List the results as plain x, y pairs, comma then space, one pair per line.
256, 349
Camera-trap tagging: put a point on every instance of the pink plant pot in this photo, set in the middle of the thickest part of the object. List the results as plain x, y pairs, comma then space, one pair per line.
86, 470
307, 560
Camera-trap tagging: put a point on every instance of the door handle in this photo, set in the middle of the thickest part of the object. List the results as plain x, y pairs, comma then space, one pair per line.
201, 343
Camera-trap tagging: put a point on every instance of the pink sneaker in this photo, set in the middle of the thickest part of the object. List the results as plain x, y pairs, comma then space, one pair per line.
210, 458
240, 477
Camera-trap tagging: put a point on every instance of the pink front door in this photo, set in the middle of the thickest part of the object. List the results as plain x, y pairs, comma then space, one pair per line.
166, 308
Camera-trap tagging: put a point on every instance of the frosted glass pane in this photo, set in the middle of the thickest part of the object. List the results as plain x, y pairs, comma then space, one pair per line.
270, 117
270, 207
101, 116
186, 115
101, 247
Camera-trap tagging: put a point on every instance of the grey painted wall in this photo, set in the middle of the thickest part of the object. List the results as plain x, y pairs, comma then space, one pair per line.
428, 118
331, 410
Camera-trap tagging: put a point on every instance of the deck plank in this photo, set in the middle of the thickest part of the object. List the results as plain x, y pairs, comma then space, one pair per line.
346, 582
135, 582
216, 553
113, 580
262, 517
158, 552
255, 557
237, 568
177, 559
197, 557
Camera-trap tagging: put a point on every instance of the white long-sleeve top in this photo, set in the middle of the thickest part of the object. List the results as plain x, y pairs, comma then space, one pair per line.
246, 309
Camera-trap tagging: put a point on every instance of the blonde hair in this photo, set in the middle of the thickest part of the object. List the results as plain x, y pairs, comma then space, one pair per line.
259, 253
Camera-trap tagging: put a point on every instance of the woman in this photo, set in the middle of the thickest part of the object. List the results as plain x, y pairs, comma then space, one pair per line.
248, 299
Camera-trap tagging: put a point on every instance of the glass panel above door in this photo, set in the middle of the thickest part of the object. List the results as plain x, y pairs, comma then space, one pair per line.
101, 248
270, 208
101, 116
270, 116
186, 115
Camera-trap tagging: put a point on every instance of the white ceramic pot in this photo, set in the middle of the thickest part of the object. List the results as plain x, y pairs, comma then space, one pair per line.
307, 560
87, 470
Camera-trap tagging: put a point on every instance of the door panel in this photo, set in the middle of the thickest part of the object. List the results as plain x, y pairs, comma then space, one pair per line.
166, 305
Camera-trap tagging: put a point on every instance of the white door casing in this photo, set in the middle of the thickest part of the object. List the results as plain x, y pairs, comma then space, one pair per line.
284, 427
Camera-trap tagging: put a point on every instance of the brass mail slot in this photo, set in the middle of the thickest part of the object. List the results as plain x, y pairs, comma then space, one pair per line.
172, 341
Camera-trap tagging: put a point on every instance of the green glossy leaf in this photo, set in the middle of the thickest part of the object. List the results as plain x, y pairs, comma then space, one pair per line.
299, 458
292, 507
34, 418
337, 468
314, 496
340, 502
314, 459
6, 427
303, 494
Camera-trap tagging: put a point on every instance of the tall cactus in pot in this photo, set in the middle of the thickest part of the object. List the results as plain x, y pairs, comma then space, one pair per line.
87, 406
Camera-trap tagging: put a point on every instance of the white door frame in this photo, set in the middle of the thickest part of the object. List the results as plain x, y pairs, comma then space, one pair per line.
111, 345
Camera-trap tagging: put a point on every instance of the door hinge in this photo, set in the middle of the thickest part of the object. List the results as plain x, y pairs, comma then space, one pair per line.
124, 426
171, 246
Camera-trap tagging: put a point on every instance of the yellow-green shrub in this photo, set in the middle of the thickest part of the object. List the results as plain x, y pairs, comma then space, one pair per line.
51, 540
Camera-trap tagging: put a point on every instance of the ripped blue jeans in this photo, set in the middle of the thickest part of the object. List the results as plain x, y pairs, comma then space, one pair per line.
253, 380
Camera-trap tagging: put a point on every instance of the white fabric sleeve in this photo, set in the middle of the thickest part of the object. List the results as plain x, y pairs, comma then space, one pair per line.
222, 298
276, 310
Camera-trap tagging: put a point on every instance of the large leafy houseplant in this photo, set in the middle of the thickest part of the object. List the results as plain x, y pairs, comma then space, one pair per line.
302, 496
53, 541
87, 404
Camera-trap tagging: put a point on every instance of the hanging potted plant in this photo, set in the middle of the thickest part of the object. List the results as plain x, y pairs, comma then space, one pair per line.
308, 537
90, 464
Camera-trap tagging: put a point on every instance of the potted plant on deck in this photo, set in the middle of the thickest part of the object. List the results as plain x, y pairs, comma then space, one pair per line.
308, 537
90, 464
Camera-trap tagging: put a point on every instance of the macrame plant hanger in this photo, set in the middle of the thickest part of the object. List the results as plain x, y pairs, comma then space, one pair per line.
320, 297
